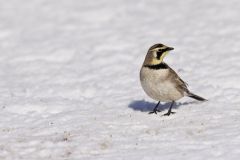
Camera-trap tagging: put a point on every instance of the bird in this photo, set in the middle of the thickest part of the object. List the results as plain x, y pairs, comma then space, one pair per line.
160, 82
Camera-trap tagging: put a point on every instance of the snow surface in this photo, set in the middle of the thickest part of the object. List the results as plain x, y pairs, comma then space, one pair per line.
70, 85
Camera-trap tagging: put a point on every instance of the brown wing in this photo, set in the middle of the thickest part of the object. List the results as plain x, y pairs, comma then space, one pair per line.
180, 84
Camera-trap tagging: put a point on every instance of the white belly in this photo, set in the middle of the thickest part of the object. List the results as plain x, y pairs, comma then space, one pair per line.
157, 86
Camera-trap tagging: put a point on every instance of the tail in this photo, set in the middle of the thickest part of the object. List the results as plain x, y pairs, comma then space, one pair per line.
196, 97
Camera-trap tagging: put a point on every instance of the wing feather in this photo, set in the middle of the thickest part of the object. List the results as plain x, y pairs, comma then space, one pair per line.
180, 84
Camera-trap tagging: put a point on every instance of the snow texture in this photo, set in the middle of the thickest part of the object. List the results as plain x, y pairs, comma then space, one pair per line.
70, 87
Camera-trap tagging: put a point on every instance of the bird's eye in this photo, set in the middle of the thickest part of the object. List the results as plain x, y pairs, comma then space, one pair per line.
159, 54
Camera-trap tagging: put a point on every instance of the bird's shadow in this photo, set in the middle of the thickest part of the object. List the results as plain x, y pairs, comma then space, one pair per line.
144, 106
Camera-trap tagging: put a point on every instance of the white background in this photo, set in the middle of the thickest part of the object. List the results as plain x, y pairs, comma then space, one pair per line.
69, 79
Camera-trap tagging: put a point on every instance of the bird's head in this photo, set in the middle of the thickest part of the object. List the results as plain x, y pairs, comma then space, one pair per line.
156, 53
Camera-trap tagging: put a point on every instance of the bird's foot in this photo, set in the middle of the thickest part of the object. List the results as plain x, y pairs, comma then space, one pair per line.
154, 111
168, 113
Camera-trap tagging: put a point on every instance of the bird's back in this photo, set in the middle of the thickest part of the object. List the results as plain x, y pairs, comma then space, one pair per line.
181, 86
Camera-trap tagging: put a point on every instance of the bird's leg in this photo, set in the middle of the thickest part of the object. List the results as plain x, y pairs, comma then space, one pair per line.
170, 110
155, 110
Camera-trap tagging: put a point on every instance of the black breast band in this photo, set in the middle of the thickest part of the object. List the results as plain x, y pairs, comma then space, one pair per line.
157, 66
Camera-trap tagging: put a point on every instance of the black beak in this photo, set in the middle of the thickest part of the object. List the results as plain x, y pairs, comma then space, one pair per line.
170, 48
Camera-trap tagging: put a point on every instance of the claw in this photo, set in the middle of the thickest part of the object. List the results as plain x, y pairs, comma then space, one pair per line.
154, 111
168, 113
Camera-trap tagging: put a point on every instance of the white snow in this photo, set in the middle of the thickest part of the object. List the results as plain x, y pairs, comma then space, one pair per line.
69, 79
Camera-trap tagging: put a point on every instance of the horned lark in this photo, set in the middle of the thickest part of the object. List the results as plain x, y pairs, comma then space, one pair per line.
160, 82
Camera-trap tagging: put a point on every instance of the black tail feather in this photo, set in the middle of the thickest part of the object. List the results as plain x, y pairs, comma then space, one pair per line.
196, 97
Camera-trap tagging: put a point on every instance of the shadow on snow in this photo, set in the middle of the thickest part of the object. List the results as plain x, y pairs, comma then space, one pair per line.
144, 106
